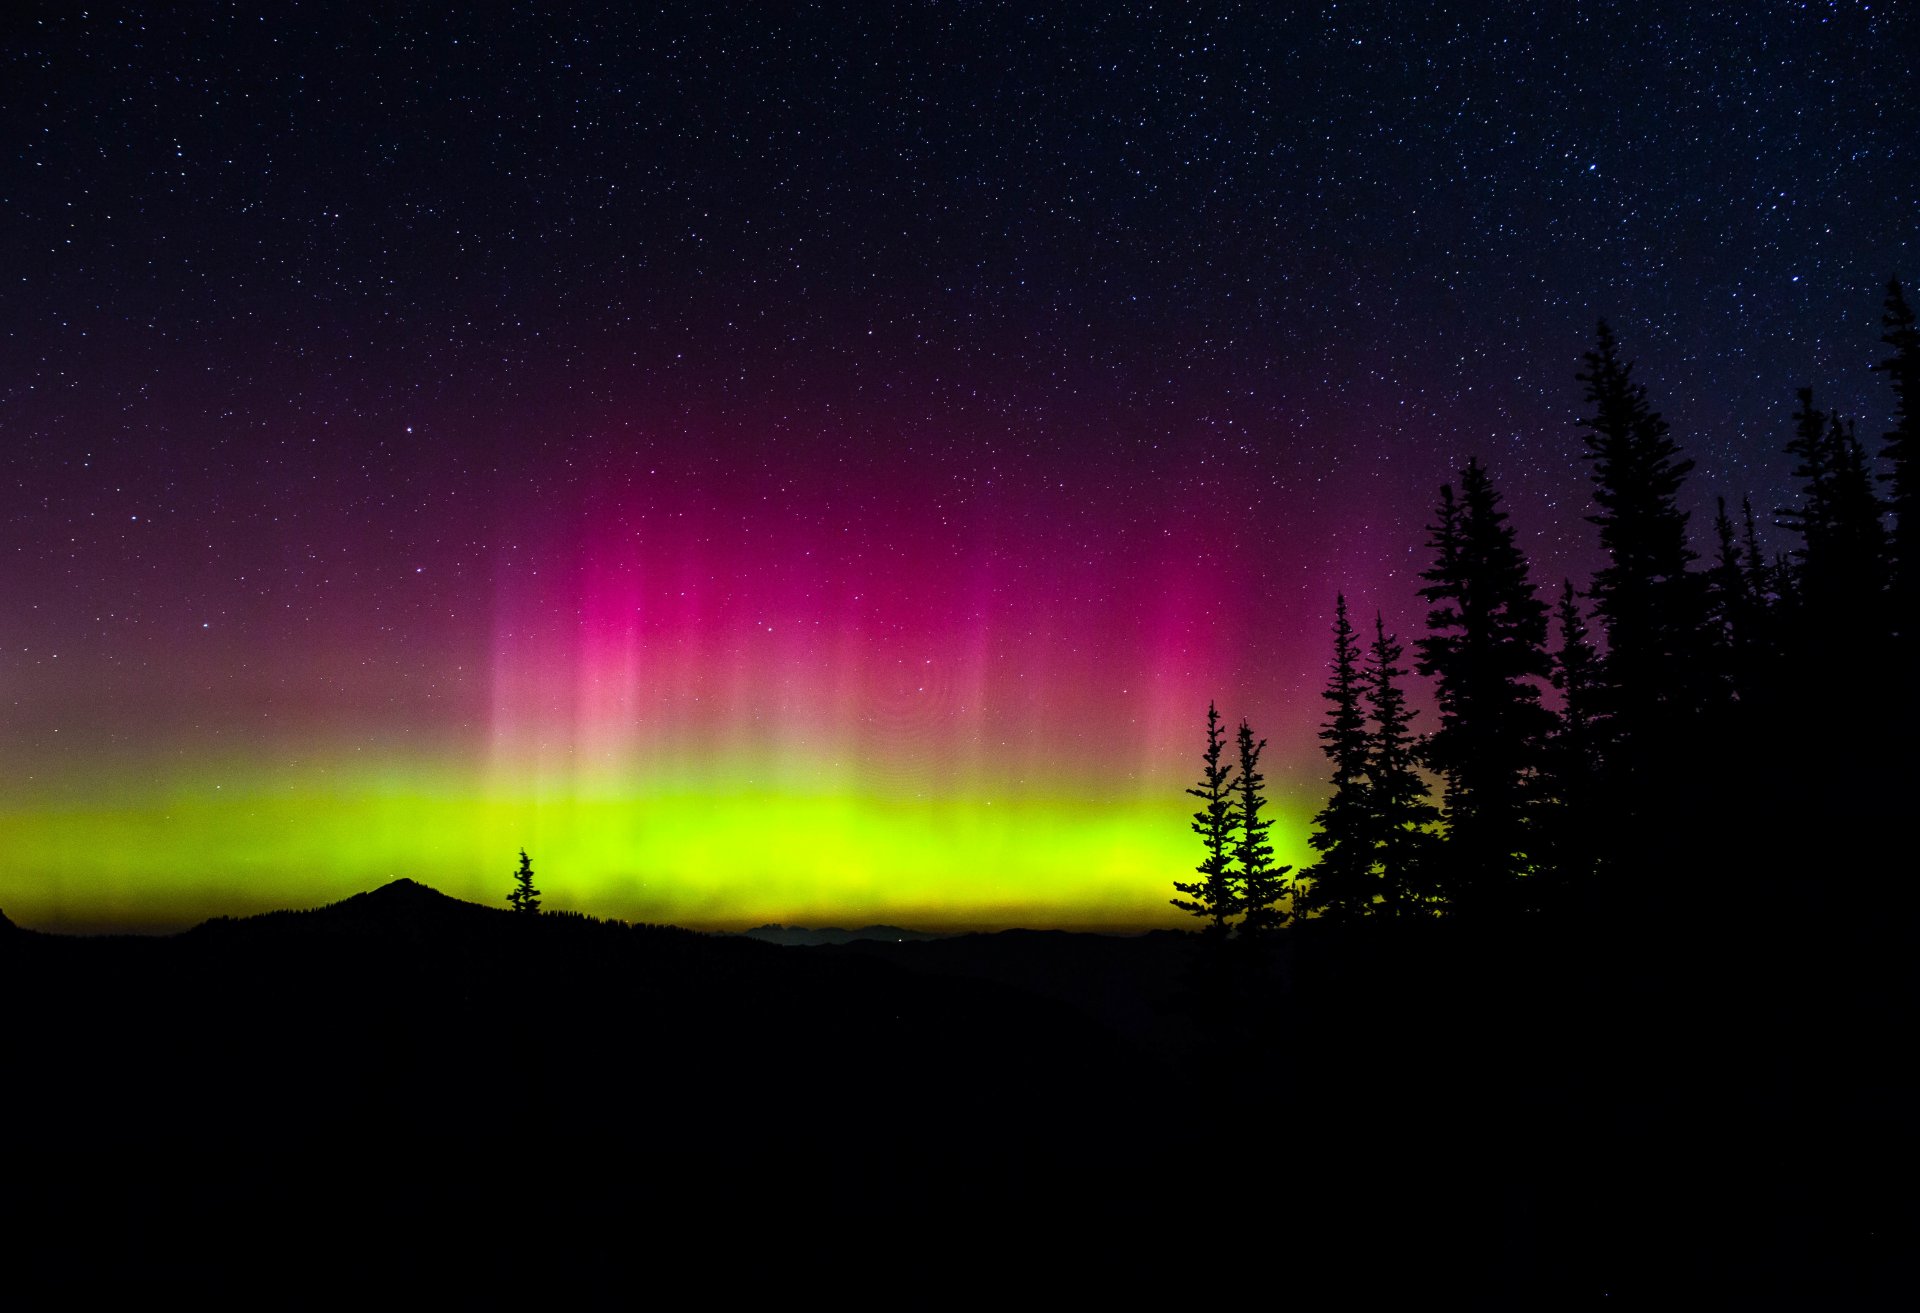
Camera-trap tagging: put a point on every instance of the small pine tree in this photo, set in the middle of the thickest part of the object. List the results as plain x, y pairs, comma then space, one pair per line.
1573, 758
1576, 675
1730, 608
1342, 883
1759, 643
1759, 577
1213, 897
1813, 519
1859, 538
1262, 884
524, 897
1403, 819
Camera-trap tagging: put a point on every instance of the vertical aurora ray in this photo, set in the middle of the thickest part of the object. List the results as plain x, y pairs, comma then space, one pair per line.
805, 493
732, 696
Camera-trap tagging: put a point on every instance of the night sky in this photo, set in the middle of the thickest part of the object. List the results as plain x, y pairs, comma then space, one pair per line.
818, 468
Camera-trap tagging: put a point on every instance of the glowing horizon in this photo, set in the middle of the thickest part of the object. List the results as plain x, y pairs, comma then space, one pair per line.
944, 721
258, 841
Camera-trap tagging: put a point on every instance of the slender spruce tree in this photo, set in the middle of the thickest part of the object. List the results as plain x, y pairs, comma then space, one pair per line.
1760, 642
1403, 818
1754, 561
523, 897
1212, 897
1341, 885
1262, 884
1812, 518
1573, 760
1726, 578
1485, 647
1576, 677
1730, 610
1842, 553
1902, 451
1645, 598
1859, 536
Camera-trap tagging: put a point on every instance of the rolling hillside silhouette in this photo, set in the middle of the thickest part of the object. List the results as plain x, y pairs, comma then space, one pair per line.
1557, 1116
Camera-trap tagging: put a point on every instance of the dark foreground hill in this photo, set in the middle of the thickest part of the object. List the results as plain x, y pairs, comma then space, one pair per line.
1536, 1118
403, 1011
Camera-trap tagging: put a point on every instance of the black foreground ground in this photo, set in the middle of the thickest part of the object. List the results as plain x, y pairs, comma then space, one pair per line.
1524, 1116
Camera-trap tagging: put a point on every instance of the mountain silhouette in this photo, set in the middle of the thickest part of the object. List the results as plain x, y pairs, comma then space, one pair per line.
400, 907
405, 902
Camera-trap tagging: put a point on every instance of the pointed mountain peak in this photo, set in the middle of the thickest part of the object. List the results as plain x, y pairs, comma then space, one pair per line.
400, 906
401, 900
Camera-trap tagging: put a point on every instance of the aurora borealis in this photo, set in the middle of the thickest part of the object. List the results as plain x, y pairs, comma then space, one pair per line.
819, 469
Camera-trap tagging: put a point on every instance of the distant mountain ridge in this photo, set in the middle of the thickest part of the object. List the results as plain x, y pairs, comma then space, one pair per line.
795, 936
399, 906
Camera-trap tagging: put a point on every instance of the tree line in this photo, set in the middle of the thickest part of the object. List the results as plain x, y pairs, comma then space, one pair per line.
1720, 732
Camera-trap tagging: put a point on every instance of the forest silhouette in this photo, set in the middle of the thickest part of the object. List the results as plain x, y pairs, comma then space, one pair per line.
1598, 989
1714, 741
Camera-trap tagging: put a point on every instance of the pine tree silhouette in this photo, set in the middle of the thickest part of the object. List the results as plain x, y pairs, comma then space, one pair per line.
1730, 610
1644, 597
1842, 555
1573, 759
1813, 518
1902, 449
1657, 671
1859, 537
1758, 641
1855, 506
524, 897
1213, 897
1754, 563
1576, 675
1262, 884
1402, 818
1341, 883
1485, 645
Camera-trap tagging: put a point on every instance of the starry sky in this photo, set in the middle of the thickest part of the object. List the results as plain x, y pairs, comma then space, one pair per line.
816, 464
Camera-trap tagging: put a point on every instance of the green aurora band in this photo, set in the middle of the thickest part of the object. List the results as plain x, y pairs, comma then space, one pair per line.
709, 854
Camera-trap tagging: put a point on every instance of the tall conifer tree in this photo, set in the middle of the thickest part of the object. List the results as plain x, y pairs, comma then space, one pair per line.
1262, 884
1648, 603
1485, 645
1841, 559
1574, 759
1730, 608
1212, 897
1754, 564
1859, 537
1403, 818
1342, 883
1576, 676
1813, 518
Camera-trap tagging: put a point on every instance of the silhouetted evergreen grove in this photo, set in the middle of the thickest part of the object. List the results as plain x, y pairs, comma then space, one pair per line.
1237, 874
1683, 737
